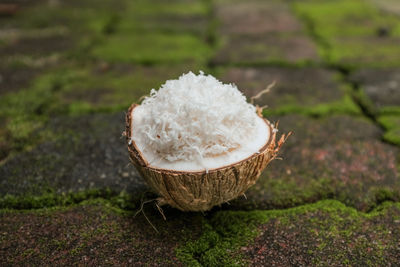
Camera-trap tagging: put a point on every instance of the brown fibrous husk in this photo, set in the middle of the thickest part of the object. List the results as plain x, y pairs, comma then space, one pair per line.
200, 191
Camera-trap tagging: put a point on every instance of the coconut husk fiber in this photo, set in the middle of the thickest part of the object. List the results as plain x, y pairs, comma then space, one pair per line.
200, 191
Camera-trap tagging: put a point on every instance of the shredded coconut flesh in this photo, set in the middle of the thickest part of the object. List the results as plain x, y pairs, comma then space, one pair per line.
197, 123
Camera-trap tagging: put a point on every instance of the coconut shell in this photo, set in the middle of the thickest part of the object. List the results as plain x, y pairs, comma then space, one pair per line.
200, 191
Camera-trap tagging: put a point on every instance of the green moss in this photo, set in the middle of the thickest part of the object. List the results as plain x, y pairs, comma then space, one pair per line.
320, 225
389, 110
288, 193
348, 32
391, 123
170, 8
344, 106
383, 195
326, 95
224, 234
121, 200
92, 16
167, 17
26, 110
45, 200
364, 102
74, 90
196, 26
112, 90
392, 136
346, 18
153, 48
326, 220
261, 51
77, 26
357, 52
57, 92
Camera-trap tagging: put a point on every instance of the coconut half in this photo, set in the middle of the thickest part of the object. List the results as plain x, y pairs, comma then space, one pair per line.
199, 183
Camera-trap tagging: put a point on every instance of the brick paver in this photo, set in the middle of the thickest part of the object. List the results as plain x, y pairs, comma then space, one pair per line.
88, 153
271, 33
381, 88
351, 165
298, 90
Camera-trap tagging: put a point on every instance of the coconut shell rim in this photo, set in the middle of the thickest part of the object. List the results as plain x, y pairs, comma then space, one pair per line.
133, 149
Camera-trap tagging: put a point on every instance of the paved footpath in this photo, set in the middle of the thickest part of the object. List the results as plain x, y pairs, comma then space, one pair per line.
69, 70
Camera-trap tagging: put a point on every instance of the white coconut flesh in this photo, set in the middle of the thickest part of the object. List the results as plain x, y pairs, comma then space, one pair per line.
197, 123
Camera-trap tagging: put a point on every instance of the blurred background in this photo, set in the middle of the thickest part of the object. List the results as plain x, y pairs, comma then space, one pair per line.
69, 69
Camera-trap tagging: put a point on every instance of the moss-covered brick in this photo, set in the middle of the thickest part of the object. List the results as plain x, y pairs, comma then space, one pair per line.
257, 32
17, 77
310, 90
5, 139
392, 128
83, 153
73, 16
185, 24
255, 17
13, 78
265, 50
352, 33
346, 18
159, 32
75, 90
34, 46
151, 48
379, 90
221, 237
37, 51
170, 17
356, 52
46, 32
25, 110
390, 6
351, 165
326, 232
94, 233
171, 8
59, 153
111, 87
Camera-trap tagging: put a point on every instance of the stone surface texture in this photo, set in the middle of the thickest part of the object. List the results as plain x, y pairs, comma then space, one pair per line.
69, 70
